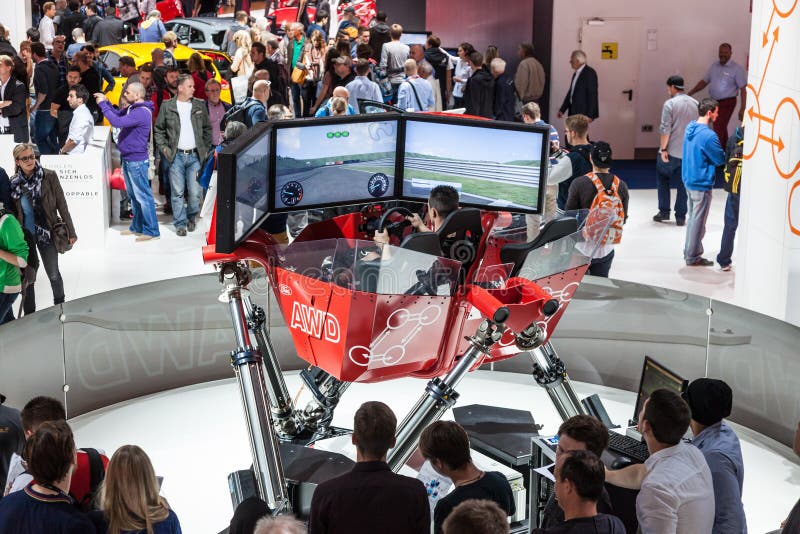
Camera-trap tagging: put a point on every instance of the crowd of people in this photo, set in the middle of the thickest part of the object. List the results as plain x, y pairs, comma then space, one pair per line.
684, 486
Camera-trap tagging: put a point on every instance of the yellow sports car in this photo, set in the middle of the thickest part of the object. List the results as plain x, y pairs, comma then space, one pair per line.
140, 52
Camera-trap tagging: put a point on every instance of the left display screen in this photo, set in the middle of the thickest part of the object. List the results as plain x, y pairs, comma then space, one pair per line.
335, 163
251, 193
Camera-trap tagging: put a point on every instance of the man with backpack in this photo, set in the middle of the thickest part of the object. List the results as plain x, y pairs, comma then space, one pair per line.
252, 111
602, 190
576, 162
733, 182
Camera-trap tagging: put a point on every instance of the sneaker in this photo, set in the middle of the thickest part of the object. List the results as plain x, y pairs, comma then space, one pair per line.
661, 217
191, 226
129, 232
702, 262
147, 237
726, 268
680, 222
181, 232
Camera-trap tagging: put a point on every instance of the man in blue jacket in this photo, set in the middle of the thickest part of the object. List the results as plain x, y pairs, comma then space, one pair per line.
701, 154
134, 123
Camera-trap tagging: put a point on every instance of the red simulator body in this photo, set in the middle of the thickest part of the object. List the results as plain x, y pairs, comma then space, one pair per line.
362, 320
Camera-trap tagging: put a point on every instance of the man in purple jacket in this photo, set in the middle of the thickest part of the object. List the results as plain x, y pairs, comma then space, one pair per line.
135, 123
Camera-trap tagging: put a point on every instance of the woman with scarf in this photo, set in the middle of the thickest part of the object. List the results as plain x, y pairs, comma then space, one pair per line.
40, 203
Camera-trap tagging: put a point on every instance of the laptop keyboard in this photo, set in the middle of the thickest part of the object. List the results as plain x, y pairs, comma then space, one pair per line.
628, 446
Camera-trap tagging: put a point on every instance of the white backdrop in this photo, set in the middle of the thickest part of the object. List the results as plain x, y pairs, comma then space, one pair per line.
768, 269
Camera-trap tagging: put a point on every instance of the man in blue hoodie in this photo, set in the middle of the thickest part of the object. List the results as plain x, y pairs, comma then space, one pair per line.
702, 153
135, 122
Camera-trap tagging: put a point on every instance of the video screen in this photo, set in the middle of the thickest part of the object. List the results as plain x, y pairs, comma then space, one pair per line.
334, 163
488, 166
251, 198
655, 376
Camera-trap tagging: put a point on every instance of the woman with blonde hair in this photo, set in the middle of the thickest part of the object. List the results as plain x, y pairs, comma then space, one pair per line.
41, 209
338, 106
129, 499
170, 40
242, 64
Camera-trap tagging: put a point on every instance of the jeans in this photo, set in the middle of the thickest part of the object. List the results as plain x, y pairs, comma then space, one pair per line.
729, 231
395, 89
301, 100
699, 205
46, 132
163, 179
137, 182
601, 266
183, 177
668, 173
49, 258
6, 305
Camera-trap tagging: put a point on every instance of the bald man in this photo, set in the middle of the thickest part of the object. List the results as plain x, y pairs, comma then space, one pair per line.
255, 107
325, 110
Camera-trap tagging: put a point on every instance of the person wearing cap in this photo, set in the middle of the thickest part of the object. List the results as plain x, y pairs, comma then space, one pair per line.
582, 193
710, 401
678, 111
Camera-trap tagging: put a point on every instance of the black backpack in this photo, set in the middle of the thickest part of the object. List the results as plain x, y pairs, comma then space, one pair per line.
237, 113
733, 164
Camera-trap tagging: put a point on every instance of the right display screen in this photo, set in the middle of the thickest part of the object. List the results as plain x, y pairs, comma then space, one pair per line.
501, 168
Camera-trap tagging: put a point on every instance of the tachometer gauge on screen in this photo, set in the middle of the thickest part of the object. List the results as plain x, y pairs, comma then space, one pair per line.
291, 193
378, 184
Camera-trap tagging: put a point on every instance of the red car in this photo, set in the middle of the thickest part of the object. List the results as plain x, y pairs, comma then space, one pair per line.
170, 9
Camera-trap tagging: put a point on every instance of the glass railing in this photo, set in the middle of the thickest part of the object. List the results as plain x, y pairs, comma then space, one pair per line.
115, 346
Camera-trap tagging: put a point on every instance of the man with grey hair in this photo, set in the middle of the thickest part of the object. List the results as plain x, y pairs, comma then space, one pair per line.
135, 122
504, 94
78, 42
414, 94
581, 99
425, 70
282, 524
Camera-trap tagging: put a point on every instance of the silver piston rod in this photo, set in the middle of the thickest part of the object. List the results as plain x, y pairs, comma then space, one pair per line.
249, 370
550, 372
278, 394
440, 395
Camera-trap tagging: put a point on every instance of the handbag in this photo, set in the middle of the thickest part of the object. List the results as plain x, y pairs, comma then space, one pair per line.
60, 236
299, 75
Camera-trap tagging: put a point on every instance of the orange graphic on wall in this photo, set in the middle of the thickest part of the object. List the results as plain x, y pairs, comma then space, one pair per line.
786, 113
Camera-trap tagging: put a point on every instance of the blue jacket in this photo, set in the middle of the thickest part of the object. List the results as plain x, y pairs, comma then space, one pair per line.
255, 112
134, 123
701, 154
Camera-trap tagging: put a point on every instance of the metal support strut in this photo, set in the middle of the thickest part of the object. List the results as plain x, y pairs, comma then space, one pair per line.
280, 401
550, 372
256, 398
440, 393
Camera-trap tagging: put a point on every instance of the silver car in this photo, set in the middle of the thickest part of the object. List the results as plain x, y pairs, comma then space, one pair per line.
201, 33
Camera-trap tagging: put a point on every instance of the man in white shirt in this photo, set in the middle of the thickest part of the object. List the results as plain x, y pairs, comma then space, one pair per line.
81, 127
47, 29
676, 491
182, 134
362, 87
415, 94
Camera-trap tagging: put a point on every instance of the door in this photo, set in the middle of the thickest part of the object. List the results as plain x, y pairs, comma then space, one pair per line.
612, 48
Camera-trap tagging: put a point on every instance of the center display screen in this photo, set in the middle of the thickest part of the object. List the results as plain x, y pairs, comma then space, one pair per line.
319, 165
500, 168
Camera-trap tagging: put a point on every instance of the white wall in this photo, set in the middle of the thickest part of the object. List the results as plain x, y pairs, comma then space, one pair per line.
768, 266
689, 33
16, 18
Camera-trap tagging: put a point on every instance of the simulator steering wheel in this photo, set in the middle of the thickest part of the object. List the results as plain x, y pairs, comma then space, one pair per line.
396, 228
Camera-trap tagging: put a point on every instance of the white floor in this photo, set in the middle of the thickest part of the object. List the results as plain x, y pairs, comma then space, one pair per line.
650, 253
196, 436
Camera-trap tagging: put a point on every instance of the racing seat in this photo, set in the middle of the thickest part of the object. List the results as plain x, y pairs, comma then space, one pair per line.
426, 242
460, 235
553, 230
